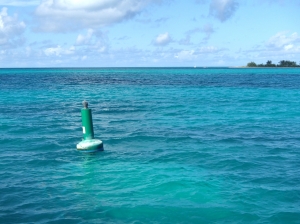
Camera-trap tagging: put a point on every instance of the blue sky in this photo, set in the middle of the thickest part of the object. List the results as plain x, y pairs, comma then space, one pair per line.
155, 33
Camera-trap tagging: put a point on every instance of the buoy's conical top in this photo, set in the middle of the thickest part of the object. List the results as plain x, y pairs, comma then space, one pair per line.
85, 104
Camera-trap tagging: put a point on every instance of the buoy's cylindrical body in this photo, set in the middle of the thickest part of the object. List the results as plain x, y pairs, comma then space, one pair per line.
87, 123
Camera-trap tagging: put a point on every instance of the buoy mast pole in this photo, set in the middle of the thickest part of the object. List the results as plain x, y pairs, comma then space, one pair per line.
87, 122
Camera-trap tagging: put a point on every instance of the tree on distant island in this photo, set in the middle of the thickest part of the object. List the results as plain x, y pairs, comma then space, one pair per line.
282, 63
251, 64
287, 64
269, 64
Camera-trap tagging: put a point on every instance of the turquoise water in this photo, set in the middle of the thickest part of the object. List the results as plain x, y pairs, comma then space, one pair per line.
181, 146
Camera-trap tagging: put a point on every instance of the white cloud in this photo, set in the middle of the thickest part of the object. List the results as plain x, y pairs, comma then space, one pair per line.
281, 46
186, 55
223, 9
162, 39
288, 47
207, 29
189, 55
10, 29
59, 51
208, 49
284, 41
92, 42
64, 15
85, 39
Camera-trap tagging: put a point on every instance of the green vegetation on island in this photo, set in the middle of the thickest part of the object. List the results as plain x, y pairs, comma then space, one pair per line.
269, 63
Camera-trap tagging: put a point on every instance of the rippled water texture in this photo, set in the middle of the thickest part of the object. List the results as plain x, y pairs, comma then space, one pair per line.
181, 146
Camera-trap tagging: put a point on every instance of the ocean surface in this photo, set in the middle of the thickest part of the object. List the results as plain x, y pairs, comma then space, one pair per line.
181, 145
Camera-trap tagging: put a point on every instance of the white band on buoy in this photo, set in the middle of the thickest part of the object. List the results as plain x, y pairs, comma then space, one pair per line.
90, 145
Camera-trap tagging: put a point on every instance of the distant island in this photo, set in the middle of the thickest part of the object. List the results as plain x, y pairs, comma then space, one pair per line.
282, 63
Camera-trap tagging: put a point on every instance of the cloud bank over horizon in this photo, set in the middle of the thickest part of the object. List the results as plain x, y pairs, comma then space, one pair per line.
95, 33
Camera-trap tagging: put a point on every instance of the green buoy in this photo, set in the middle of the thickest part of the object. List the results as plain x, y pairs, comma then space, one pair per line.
88, 144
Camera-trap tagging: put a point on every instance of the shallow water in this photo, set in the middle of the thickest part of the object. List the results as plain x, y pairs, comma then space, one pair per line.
181, 146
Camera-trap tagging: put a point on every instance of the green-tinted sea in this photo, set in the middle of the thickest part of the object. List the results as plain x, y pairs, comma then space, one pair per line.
181, 145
